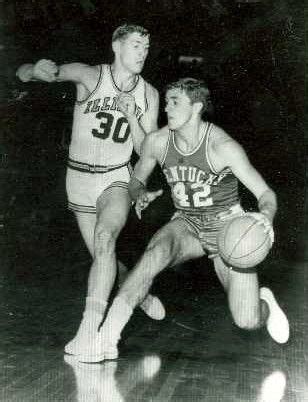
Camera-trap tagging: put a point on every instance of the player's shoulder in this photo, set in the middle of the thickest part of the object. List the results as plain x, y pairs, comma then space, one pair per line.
219, 138
91, 69
151, 91
223, 145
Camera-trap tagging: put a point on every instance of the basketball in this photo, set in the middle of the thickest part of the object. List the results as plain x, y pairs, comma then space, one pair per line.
242, 243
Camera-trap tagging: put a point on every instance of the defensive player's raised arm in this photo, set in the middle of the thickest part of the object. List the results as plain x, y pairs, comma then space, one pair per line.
150, 117
43, 70
148, 121
49, 71
143, 168
236, 159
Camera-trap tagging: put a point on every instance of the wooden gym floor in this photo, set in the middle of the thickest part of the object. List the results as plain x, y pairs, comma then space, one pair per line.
195, 354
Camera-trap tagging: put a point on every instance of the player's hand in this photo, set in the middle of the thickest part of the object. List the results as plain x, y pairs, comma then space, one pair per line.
126, 104
262, 219
45, 70
145, 199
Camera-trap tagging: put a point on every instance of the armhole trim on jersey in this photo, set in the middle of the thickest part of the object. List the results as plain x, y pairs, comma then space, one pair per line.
208, 134
146, 103
166, 149
100, 78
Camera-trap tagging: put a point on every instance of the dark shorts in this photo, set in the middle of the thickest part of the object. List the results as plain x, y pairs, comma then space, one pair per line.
207, 226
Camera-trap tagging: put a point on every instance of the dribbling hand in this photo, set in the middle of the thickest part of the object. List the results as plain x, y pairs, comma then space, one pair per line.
262, 219
45, 70
126, 104
145, 199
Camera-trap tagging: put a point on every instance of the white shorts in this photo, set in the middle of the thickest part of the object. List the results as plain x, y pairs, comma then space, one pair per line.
84, 188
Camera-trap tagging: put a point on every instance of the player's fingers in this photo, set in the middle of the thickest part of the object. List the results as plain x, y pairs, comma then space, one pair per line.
139, 208
124, 95
159, 192
138, 212
154, 194
45, 71
47, 64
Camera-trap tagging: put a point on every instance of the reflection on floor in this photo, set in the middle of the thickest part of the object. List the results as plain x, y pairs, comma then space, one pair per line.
195, 354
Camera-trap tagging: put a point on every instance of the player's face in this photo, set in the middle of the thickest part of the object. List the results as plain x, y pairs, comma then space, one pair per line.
133, 51
178, 107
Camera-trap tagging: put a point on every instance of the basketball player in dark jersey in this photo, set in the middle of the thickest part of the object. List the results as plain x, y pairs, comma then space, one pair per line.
114, 109
202, 165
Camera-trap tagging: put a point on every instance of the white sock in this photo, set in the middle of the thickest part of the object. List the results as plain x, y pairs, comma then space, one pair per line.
92, 315
88, 328
95, 305
117, 317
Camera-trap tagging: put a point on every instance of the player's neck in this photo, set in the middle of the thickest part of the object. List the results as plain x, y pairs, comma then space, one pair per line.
188, 136
124, 79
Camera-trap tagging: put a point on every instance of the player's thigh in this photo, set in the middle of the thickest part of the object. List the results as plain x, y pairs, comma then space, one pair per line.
177, 242
86, 223
112, 209
243, 294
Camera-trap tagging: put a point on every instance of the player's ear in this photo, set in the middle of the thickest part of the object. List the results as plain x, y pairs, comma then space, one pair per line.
198, 106
115, 46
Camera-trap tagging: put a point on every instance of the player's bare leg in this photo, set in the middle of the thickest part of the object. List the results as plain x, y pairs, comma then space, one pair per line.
86, 223
151, 305
173, 244
112, 210
100, 236
250, 306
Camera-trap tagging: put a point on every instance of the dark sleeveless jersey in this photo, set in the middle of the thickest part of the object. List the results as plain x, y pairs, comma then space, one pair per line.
195, 185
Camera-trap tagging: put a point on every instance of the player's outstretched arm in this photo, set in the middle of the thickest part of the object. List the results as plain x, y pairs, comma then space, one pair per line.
48, 71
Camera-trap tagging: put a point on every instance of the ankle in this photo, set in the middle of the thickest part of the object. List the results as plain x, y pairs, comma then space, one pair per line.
94, 305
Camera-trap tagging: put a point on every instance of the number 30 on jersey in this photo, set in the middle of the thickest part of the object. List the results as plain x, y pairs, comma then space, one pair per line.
119, 129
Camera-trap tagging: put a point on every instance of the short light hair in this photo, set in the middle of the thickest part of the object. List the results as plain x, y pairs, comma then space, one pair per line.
124, 30
196, 90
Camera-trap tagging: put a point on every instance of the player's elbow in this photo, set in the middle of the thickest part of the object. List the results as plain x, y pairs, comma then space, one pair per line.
268, 196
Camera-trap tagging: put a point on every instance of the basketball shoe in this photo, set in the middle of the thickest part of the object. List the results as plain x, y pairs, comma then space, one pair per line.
85, 341
153, 307
101, 349
104, 344
277, 323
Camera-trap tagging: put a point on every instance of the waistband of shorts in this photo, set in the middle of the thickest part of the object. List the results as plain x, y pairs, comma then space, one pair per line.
85, 167
214, 215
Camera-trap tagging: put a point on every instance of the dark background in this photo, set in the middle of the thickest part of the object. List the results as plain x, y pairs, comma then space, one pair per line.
253, 61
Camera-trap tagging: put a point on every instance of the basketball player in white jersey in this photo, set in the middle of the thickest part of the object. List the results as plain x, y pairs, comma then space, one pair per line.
114, 109
202, 165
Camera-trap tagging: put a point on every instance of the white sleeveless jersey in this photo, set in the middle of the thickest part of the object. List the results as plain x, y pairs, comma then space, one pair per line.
101, 134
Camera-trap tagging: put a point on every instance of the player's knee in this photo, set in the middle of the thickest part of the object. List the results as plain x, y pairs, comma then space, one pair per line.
161, 249
104, 241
